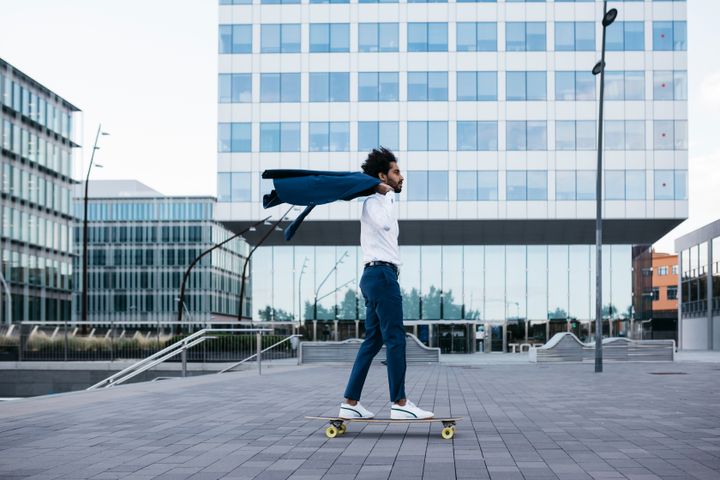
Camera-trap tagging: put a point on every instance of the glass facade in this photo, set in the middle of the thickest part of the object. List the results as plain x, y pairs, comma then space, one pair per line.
138, 251
36, 166
499, 285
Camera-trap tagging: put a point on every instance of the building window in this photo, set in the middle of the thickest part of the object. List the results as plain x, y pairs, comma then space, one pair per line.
670, 85
280, 38
376, 134
627, 36
672, 293
625, 135
427, 86
662, 271
477, 136
234, 187
670, 184
625, 184
525, 86
521, 136
476, 37
574, 85
280, 87
526, 185
674, 269
477, 185
477, 86
574, 185
427, 37
329, 1
329, 37
574, 36
525, 37
427, 185
278, 2
234, 137
235, 39
669, 36
575, 135
279, 136
656, 293
670, 135
378, 87
234, 88
378, 37
329, 136
329, 87
626, 86
427, 136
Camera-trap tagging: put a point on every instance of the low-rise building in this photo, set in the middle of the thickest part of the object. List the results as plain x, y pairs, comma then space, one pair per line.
664, 296
699, 295
140, 242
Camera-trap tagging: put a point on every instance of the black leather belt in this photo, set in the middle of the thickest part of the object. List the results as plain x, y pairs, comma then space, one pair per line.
379, 263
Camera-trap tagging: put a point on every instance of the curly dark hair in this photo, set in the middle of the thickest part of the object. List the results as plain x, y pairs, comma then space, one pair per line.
378, 161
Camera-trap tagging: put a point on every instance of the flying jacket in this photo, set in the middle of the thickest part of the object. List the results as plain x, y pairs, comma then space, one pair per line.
314, 187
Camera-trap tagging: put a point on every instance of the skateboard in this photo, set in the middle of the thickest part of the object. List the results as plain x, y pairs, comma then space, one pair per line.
338, 425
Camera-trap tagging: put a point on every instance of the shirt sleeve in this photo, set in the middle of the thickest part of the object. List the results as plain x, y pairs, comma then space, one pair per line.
378, 212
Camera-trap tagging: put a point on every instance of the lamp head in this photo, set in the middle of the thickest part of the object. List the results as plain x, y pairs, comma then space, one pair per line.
609, 17
598, 68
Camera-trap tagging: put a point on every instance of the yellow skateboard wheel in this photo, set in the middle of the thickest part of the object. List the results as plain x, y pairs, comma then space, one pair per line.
342, 429
447, 433
331, 432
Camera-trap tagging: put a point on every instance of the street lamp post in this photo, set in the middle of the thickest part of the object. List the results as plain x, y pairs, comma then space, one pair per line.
84, 313
244, 271
317, 291
302, 271
609, 17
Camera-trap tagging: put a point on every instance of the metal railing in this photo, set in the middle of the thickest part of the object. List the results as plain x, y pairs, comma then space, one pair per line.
258, 355
131, 340
178, 348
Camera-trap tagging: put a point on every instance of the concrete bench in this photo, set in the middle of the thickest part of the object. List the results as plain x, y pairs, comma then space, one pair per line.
566, 347
346, 351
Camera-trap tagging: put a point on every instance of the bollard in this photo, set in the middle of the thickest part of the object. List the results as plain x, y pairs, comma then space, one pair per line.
259, 352
184, 358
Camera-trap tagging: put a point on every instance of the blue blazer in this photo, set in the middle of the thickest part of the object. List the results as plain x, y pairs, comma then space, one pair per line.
314, 187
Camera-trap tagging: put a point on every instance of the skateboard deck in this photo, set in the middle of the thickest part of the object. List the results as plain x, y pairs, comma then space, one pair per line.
338, 425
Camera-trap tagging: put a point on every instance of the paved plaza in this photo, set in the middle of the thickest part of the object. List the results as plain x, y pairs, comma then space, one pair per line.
522, 421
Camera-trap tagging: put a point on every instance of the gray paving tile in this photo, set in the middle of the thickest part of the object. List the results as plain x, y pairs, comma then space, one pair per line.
521, 421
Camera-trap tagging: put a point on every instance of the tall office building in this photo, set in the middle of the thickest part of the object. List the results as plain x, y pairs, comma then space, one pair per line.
491, 108
141, 242
37, 139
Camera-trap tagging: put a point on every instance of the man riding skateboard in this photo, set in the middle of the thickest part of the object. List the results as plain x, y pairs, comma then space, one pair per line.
383, 301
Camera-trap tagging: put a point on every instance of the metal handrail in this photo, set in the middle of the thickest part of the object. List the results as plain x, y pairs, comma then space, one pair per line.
258, 353
166, 353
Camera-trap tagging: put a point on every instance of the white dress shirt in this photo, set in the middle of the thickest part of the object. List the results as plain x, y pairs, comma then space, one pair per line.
379, 229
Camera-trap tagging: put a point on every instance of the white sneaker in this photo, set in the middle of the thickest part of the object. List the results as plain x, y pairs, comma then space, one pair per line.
354, 411
409, 411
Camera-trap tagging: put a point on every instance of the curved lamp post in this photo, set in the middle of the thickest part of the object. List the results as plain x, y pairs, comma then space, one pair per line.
84, 312
181, 298
609, 17
244, 271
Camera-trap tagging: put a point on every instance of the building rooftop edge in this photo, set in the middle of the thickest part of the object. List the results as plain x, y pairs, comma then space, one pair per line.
699, 235
29, 79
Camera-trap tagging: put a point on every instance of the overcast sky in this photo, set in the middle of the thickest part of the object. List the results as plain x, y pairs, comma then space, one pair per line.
147, 70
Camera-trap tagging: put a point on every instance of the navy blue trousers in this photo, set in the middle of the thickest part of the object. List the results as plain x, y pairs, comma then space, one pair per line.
383, 324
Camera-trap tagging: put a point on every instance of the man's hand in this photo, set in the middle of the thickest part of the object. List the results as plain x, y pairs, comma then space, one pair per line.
384, 188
